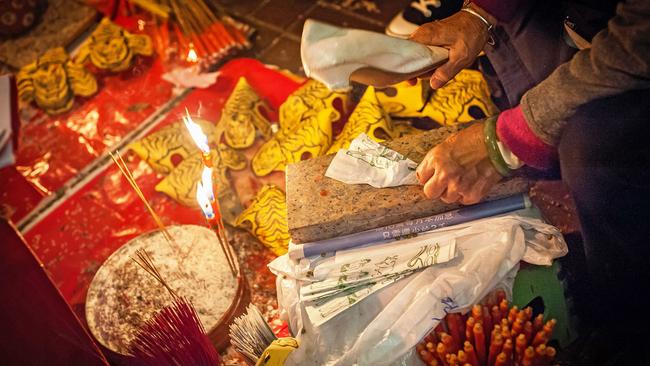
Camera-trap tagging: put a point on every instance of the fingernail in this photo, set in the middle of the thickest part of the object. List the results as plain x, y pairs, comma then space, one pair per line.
436, 84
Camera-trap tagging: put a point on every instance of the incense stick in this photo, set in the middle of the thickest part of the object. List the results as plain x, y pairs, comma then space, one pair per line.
121, 164
145, 261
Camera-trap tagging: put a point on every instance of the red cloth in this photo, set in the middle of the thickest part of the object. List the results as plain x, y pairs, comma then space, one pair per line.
513, 131
39, 328
503, 10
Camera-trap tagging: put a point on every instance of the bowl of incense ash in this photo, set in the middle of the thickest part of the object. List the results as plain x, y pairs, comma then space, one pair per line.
123, 296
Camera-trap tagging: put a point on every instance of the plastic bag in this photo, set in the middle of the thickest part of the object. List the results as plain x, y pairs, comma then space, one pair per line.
384, 328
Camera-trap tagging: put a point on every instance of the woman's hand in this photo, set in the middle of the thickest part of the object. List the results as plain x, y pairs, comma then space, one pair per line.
459, 169
463, 33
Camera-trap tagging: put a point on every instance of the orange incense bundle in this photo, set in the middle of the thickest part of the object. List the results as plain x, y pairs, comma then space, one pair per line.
489, 336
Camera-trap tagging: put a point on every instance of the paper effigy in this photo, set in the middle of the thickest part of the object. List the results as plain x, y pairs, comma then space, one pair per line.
368, 162
305, 128
111, 47
162, 148
241, 116
267, 218
53, 80
368, 117
465, 98
180, 184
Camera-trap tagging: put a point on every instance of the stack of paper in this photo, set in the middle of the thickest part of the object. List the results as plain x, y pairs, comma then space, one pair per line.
329, 286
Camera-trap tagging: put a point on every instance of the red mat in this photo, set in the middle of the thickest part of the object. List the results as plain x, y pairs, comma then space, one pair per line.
77, 236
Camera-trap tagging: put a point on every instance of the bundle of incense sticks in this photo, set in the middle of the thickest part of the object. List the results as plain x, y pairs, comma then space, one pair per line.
202, 33
250, 335
493, 334
174, 335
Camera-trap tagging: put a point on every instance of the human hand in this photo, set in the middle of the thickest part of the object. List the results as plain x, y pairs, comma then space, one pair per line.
463, 33
459, 169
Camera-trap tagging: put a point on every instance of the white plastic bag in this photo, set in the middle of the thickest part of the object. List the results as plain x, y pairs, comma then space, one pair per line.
384, 328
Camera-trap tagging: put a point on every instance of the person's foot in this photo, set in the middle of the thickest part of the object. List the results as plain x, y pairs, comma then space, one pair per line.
420, 12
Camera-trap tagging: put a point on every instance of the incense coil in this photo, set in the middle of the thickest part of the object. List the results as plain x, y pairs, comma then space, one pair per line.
267, 217
113, 48
462, 99
368, 117
241, 117
163, 150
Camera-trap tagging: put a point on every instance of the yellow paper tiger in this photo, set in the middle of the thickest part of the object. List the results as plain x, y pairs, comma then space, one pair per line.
241, 115
305, 128
159, 148
113, 48
368, 117
53, 80
180, 184
267, 218
447, 105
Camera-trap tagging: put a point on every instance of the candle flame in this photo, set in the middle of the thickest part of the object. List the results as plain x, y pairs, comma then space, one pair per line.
204, 202
191, 54
199, 138
206, 182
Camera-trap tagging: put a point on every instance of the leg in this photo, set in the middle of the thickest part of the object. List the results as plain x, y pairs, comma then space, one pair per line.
605, 161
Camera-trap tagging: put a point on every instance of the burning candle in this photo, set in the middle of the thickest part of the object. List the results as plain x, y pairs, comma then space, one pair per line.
205, 190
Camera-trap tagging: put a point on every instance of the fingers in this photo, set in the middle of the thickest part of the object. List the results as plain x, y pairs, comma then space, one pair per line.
434, 187
459, 58
432, 34
426, 168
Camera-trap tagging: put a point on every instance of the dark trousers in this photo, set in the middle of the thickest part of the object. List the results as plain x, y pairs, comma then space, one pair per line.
605, 160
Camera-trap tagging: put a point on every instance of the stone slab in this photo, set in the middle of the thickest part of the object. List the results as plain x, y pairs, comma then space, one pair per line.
320, 208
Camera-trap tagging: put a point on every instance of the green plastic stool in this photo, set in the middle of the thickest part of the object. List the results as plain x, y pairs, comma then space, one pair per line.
533, 281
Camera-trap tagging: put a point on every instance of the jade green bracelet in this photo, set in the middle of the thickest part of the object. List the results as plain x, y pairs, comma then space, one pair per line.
493, 149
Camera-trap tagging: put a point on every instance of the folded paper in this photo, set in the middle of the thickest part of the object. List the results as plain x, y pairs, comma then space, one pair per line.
368, 162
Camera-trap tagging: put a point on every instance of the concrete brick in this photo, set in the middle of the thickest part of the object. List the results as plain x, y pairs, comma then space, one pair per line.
320, 208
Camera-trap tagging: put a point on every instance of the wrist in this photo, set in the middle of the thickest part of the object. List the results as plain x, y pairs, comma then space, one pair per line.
485, 22
486, 15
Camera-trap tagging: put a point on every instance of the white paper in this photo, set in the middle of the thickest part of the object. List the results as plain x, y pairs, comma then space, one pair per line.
368, 162
190, 77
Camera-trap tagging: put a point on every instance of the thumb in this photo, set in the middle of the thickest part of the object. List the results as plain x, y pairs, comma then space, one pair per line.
443, 74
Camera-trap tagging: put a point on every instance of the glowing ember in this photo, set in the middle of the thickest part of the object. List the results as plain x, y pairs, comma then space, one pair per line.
199, 138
